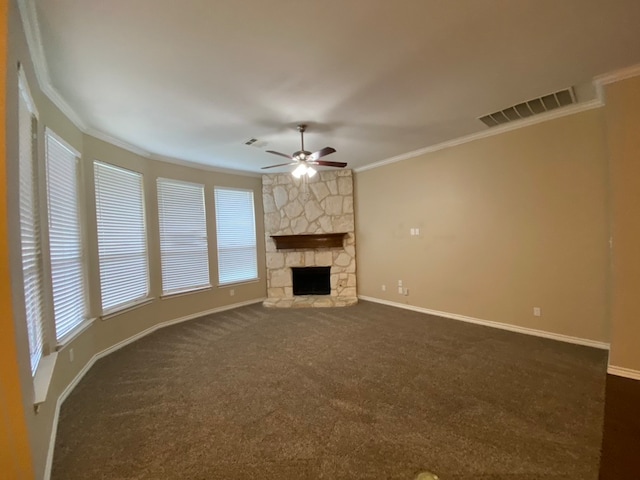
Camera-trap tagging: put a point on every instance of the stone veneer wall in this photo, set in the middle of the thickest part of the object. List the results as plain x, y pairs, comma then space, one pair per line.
323, 204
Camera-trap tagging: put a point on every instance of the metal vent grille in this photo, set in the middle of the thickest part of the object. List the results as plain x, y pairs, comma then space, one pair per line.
526, 109
254, 142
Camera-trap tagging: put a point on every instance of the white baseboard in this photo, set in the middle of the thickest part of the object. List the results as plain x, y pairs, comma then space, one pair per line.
488, 323
624, 372
65, 393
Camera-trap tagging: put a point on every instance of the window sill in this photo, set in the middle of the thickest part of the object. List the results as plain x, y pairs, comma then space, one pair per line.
126, 308
180, 293
73, 334
42, 379
241, 282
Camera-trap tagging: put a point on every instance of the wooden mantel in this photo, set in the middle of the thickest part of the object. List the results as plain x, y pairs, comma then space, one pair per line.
315, 240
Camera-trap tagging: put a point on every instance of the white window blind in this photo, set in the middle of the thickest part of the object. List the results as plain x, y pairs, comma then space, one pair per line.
65, 236
236, 234
30, 226
183, 236
122, 239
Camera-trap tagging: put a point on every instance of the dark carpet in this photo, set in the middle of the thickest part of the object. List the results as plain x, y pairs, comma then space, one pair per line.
363, 392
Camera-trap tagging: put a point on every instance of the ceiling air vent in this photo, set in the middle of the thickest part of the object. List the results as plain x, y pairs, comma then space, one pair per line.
254, 142
526, 109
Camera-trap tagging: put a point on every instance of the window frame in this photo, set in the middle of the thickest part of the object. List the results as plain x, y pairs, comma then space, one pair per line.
147, 296
204, 226
41, 341
254, 246
82, 239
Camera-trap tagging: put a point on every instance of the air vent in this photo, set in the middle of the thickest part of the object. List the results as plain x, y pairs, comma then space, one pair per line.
526, 109
254, 142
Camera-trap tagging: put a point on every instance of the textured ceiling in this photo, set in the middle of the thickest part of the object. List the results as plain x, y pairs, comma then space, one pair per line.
194, 79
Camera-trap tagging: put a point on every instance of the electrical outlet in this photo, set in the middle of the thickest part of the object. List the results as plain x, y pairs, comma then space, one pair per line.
401, 290
232, 292
71, 355
537, 312
384, 288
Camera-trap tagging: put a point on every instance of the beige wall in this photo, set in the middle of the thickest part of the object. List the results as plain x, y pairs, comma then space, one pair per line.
103, 334
506, 223
622, 114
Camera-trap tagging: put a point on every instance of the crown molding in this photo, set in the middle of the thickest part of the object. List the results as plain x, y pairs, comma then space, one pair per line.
618, 75
31, 28
202, 166
490, 132
116, 142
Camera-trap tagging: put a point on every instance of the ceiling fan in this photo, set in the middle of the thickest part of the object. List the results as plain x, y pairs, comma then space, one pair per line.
306, 160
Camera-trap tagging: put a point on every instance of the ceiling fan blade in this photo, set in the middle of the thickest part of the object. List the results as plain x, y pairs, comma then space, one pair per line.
281, 154
320, 153
279, 165
324, 163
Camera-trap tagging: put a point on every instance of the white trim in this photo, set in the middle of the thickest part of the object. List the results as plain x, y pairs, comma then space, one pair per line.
31, 28
116, 142
42, 379
488, 323
490, 132
48, 131
71, 336
618, 75
25, 91
624, 372
67, 391
57, 99
203, 166
126, 307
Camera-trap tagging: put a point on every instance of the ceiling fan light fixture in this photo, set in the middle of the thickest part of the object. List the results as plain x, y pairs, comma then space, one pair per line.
303, 159
300, 170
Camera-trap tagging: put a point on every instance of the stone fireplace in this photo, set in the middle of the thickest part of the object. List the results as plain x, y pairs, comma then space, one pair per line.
313, 225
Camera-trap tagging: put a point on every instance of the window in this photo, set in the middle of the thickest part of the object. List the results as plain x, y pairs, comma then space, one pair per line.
65, 235
31, 246
236, 233
183, 236
122, 240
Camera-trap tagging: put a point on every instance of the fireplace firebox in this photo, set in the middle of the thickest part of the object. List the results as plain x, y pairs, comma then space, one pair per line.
311, 280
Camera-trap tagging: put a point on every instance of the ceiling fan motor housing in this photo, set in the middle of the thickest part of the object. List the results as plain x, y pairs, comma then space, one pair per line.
301, 155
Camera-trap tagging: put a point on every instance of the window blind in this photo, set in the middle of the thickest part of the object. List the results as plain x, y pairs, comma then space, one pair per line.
183, 236
31, 247
65, 236
122, 240
236, 235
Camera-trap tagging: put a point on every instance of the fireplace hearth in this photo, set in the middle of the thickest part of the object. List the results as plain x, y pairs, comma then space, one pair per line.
311, 280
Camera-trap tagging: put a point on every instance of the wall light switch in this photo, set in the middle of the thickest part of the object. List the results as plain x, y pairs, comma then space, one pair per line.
400, 290
537, 312
399, 283
384, 288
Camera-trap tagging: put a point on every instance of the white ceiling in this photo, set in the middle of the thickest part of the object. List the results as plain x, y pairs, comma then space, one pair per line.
194, 79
